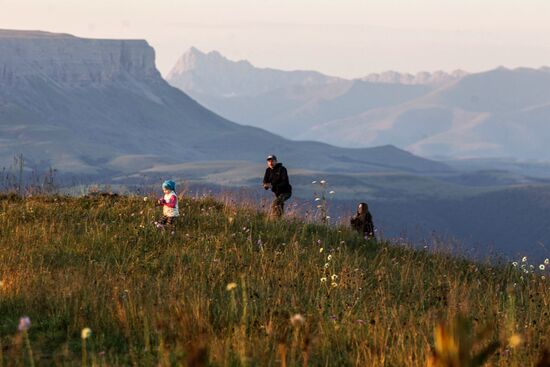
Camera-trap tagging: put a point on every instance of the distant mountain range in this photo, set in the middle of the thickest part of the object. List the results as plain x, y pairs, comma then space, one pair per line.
499, 113
101, 108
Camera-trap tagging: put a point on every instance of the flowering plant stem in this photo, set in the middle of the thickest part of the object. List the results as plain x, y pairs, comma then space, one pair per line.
28, 346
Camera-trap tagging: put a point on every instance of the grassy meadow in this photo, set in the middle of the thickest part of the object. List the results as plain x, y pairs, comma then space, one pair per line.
227, 287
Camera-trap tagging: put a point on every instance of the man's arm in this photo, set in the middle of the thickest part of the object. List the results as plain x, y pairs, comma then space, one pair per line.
266, 181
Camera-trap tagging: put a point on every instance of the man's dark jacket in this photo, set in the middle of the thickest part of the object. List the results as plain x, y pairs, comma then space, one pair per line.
278, 178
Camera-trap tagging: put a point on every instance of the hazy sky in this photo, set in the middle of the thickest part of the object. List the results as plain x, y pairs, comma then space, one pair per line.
349, 38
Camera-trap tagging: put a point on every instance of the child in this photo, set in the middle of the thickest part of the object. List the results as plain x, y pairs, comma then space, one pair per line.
362, 221
169, 203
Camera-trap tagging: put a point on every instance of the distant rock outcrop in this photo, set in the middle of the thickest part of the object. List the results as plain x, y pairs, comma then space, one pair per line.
66, 59
227, 78
423, 77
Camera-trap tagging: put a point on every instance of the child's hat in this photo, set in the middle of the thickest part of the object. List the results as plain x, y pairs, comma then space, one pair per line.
169, 184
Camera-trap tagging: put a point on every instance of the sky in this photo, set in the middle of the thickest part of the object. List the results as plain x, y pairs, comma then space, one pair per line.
347, 38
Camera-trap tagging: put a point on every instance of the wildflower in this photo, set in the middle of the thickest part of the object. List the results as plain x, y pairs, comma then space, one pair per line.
317, 199
334, 284
334, 277
515, 263
541, 267
524, 259
297, 320
231, 286
145, 198
546, 261
514, 340
327, 217
331, 192
542, 277
326, 265
323, 279
172, 233
329, 257
313, 182
321, 250
24, 323
85, 333
322, 182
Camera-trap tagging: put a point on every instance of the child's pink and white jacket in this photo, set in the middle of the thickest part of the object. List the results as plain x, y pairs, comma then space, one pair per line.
170, 205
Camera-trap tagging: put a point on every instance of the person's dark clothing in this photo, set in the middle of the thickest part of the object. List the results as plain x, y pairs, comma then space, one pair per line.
362, 221
167, 220
278, 205
280, 185
278, 178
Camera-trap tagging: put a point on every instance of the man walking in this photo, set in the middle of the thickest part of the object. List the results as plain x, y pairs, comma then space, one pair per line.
276, 179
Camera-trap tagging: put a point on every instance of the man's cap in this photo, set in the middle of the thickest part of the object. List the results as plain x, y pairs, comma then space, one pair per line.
271, 157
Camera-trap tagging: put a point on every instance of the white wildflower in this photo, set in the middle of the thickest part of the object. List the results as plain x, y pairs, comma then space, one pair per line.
231, 286
334, 284
546, 261
323, 279
329, 257
85, 333
321, 250
297, 320
334, 277
524, 259
541, 267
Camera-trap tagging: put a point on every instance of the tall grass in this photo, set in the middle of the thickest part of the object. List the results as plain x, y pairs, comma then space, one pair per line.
227, 287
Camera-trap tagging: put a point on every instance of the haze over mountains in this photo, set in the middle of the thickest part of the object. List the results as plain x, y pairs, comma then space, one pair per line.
499, 113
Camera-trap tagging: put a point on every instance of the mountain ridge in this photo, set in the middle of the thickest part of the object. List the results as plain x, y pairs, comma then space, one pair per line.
454, 115
100, 106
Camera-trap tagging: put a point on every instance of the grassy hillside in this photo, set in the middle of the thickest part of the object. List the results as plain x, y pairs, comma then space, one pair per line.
230, 288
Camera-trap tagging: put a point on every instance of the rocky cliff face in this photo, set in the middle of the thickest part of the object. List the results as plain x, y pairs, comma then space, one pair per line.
227, 78
424, 77
71, 60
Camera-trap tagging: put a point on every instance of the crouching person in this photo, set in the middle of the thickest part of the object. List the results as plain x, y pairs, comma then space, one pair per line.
362, 222
276, 179
169, 203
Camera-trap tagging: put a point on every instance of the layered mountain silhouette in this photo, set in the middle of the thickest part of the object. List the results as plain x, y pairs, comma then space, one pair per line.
100, 107
499, 113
